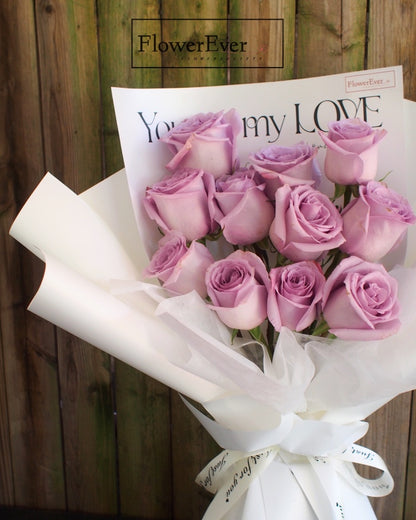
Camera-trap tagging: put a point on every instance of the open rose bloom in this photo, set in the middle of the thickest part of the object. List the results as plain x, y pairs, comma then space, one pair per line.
280, 165
288, 420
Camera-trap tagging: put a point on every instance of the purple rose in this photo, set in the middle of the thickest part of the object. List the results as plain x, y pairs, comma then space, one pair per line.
375, 222
360, 301
292, 165
294, 296
180, 268
352, 151
243, 210
183, 201
238, 286
306, 223
206, 141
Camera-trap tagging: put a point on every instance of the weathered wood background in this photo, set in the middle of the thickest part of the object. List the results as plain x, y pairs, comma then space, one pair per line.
78, 430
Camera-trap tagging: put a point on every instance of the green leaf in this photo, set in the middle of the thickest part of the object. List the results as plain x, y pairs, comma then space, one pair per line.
321, 328
355, 190
339, 191
336, 259
264, 244
256, 334
281, 260
234, 334
214, 236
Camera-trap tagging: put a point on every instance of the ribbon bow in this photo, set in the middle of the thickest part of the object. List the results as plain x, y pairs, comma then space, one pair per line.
317, 453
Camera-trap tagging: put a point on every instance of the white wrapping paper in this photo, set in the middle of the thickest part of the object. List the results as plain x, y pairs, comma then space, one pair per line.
301, 412
75, 236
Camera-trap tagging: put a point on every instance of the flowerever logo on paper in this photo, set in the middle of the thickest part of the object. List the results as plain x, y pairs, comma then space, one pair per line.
191, 43
373, 80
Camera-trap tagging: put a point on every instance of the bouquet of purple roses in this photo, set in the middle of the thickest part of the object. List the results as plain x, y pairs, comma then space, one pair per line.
299, 259
272, 255
281, 309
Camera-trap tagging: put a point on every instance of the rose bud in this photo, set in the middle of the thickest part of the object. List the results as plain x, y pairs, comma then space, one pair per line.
294, 296
360, 301
243, 210
292, 165
352, 151
375, 222
180, 269
237, 286
306, 224
205, 141
182, 201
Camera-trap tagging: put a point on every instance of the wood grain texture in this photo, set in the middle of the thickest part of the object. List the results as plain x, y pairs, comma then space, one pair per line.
71, 117
29, 348
78, 430
275, 40
331, 37
192, 449
88, 426
6, 204
392, 39
144, 445
114, 34
409, 492
204, 18
70, 94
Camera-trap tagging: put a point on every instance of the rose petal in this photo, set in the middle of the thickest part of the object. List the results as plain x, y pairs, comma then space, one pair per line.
248, 221
249, 313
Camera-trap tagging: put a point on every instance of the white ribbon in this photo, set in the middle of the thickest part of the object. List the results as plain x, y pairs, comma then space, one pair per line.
311, 449
229, 475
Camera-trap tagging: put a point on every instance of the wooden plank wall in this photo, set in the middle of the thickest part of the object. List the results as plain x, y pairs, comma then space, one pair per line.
78, 430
